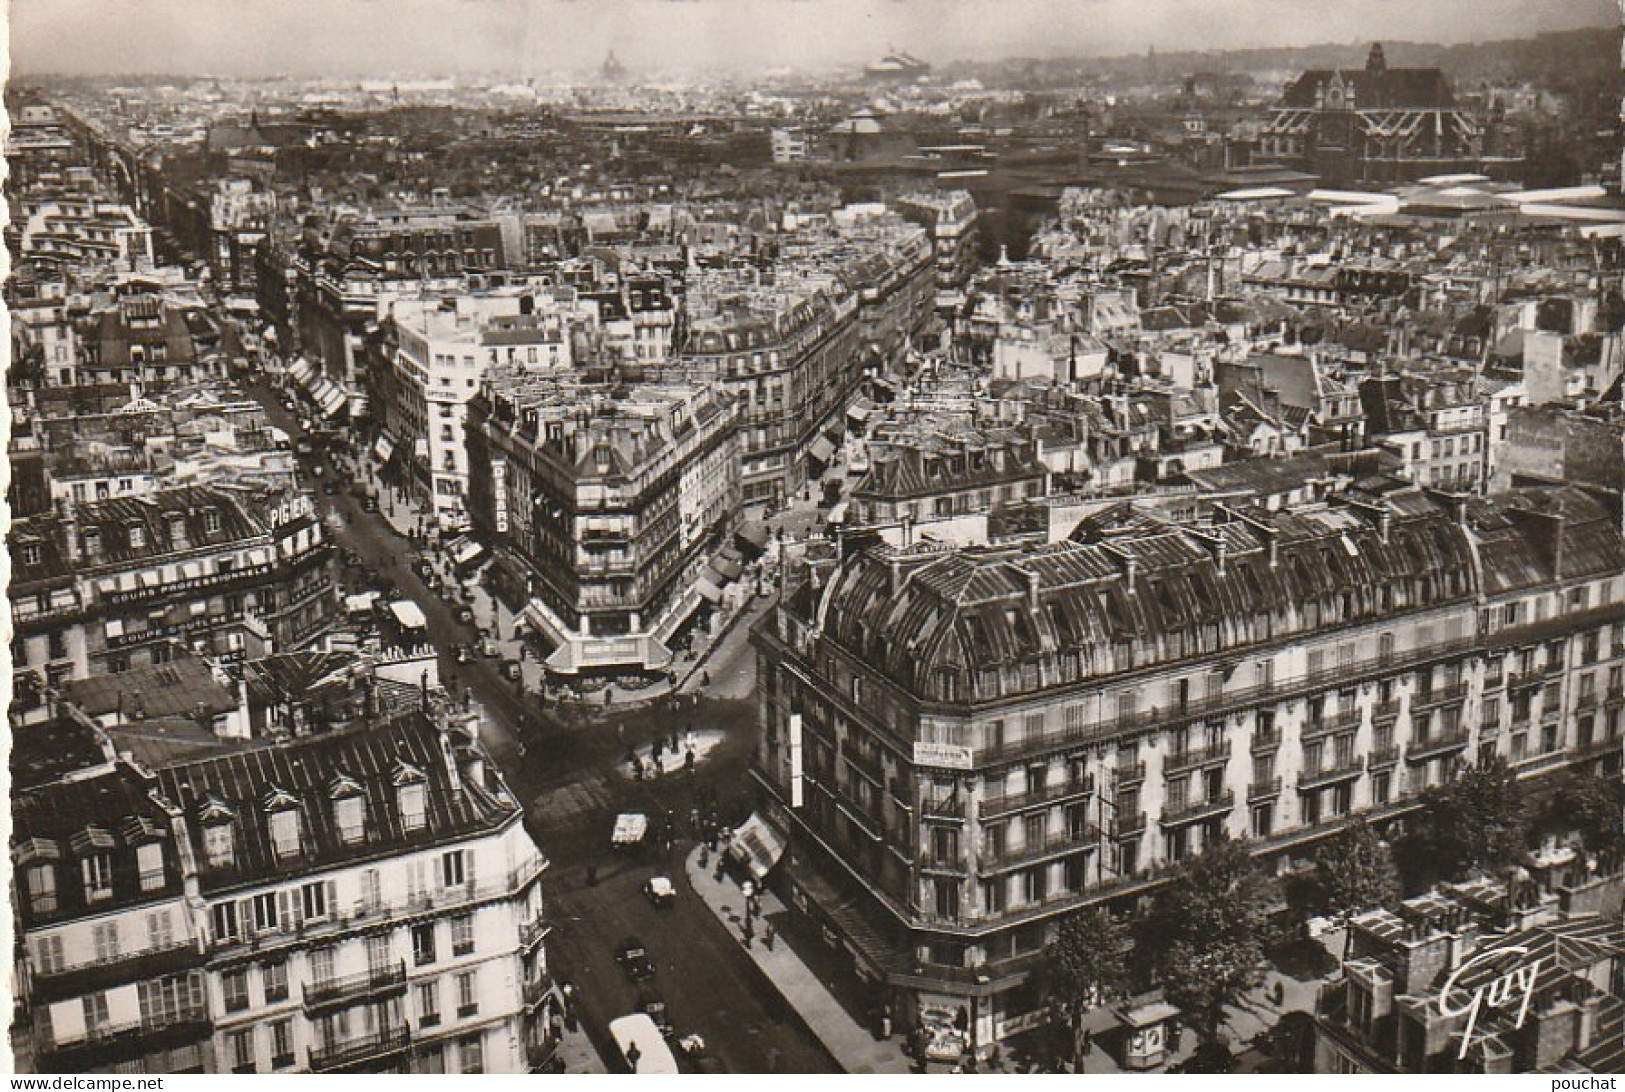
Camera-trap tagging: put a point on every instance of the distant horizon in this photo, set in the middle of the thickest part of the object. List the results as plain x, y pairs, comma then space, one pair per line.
504, 40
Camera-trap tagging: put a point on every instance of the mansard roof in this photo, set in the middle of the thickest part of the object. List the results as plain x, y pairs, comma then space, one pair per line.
935, 620
250, 785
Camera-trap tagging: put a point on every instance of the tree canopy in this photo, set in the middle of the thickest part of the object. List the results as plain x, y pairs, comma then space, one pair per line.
1354, 870
1206, 930
1477, 821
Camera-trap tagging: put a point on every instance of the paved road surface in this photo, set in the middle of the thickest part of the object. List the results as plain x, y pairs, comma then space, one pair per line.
569, 781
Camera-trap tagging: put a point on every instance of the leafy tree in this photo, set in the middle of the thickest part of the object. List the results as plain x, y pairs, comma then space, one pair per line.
1355, 870
1591, 806
1206, 928
1085, 965
1477, 821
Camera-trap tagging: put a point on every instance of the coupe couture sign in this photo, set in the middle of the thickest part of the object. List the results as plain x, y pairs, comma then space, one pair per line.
1498, 993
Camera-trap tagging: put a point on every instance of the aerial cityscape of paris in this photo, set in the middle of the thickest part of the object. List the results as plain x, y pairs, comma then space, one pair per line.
888, 537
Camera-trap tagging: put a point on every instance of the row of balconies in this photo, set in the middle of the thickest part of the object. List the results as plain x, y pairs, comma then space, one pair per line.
1196, 757
96, 974
375, 982
1057, 793
186, 1023
1231, 701
1009, 858
360, 1050
509, 884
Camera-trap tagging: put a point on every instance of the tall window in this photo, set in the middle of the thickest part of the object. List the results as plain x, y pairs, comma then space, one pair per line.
468, 998
473, 1054
453, 872
462, 934
423, 944
429, 1003
274, 976
285, 833
281, 1044
160, 930
242, 1051
234, 989
225, 921
217, 845
350, 814
105, 934
97, 870
149, 859
41, 880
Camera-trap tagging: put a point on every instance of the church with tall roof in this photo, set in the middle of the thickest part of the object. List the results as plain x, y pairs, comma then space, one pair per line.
1373, 125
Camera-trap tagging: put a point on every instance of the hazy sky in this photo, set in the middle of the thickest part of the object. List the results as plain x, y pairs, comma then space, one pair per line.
501, 37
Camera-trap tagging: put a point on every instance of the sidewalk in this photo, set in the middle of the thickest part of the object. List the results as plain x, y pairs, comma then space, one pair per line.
849, 1042
579, 1054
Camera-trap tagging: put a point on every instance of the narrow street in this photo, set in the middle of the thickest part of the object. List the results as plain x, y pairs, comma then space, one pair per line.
573, 782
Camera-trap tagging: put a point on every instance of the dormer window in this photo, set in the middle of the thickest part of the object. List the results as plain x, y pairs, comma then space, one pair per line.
97, 872
30, 553
414, 812
349, 810
149, 859
138, 536
410, 795
41, 883
211, 520
285, 834
218, 845
283, 811
93, 543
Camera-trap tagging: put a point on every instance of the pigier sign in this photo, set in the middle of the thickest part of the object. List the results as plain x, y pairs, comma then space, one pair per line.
1514, 986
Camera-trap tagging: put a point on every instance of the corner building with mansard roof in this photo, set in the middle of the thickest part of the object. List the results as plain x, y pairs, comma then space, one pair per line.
964, 745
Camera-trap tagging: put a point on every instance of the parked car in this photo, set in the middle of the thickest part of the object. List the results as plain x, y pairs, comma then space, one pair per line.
512, 672
369, 504
634, 960
660, 891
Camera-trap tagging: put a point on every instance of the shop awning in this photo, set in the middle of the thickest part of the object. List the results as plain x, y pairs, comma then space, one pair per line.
333, 402
821, 449
301, 371
467, 551
860, 410
727, 567
754, 533
758, 845
838, 513
408, 614
706, 585
384, 448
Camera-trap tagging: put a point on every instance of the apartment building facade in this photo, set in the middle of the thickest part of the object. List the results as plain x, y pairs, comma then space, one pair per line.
441, 351
965, 745
366, 901
112, 964
612, 502
112, 584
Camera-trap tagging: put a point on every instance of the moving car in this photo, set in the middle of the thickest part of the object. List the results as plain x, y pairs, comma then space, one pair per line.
370, 504
653, 1005
634, 960
660, 891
